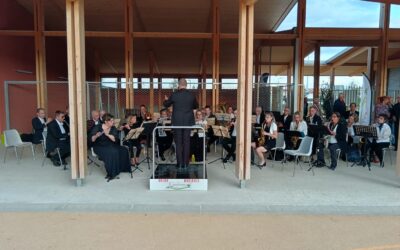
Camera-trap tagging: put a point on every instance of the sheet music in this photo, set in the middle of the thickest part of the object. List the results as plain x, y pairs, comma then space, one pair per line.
134, 133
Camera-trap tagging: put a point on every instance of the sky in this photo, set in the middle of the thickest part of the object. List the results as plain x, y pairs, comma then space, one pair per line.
340, 13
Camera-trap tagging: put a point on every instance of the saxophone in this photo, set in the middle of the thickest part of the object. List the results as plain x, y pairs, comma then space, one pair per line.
261, 137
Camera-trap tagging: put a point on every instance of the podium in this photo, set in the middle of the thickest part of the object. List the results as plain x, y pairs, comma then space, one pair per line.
168, 177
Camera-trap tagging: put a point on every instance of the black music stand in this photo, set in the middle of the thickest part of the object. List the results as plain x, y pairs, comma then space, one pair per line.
293, 133
366, 132
148, 132
219, 133
317, 131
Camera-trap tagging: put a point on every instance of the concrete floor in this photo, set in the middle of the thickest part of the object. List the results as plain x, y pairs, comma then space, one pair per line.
26, 186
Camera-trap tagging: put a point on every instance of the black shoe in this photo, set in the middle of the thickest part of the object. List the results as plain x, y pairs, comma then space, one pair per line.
56, 163
234, 157
332, 168
162, 157
225, 160
262, 165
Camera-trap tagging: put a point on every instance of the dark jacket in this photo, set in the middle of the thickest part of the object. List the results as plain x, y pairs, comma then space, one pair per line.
54, 135
341, 132
183, 103
346, 116
38, 128
286, 123
340, 107
316, 120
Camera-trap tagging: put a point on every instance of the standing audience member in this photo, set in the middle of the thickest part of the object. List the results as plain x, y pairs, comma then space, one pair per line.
382, 107
340, 105
383, 140
39, 124
58, 137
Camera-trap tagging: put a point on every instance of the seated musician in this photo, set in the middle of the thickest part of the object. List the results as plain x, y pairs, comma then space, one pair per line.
314, 119
39, 124
163, 137
269, 133
95, 120
229, 144
351, 137
230, 112
58, 137
132, 123
210, 133
336, 140
285, 120
197, 137
297, 125
352, 112
106, 146
144, 115
383, 141
260, 116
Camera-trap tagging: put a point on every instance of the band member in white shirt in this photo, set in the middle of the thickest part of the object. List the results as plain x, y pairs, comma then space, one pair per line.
298, 124
383, 141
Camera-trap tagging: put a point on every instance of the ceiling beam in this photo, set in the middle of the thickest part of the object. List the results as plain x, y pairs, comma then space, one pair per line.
343, 58
337, 34
284, 15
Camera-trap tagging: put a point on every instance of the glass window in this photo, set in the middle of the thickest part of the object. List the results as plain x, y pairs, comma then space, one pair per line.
169, 83
395, 16
109, 82
193, 83
342, 13
146, 83
290, 21
209, 83
327, 54
229, 83
135, 83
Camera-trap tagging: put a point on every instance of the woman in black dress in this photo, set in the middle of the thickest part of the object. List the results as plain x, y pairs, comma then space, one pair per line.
106, 146
133, 123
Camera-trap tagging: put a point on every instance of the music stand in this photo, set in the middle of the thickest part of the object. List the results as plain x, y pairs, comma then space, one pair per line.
221, 132
317, 131
134, 134
148, 128
365, 132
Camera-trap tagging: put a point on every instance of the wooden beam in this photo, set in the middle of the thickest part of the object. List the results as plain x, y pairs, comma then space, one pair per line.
77, 87
317, 65
358, 71
215, 54
17, 33
40, 54
129, 94
338, 34
244, 95
382, 74
299, 56
343, 58
284, 15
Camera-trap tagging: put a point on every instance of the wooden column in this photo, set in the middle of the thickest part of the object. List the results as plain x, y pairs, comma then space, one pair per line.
299, 56
204, 80
215, 53
381, 85
129, 54
77, 87
317, 65
151, 71
40, 54
257, 73
332, 78
244, 96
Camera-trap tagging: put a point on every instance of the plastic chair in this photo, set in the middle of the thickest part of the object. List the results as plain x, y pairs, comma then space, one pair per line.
57, 150
305, 150
12, 139
280, 145
386, 150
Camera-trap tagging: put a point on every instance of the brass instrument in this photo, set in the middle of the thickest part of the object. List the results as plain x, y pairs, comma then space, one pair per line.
294, 140
261, 136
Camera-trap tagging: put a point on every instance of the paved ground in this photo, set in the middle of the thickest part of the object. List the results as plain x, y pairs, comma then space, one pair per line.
347, 191
171, 231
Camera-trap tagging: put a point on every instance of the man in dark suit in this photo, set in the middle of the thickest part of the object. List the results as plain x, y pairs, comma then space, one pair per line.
58, 137
353, 112
285, 120
184, 104
260, 116
340, 105
314, 119
396, 117
39, 124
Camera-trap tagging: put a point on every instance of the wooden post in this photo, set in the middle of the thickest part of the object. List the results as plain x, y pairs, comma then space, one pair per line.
257, 73
129, 54
317, 65
40, 54
151, 71
215, 52
381, 86
77, 87
244, 96
204, 80
299, 56
332, 78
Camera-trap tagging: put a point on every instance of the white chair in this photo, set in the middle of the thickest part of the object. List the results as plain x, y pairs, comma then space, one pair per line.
305, 150
57, 150
279, 146
12, 139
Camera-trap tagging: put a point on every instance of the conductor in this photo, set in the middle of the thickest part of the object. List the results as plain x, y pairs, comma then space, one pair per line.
183, 103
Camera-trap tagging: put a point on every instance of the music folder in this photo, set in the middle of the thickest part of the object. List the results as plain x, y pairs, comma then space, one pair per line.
221, 131
134, 133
